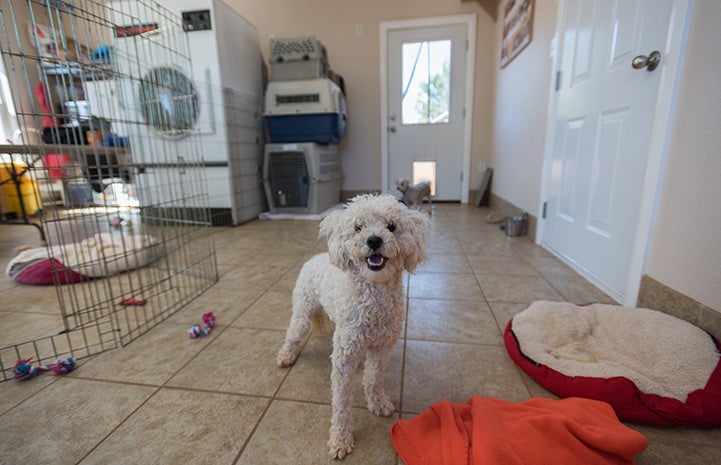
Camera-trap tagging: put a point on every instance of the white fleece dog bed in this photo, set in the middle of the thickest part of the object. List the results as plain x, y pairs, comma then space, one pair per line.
104, 254
652, 367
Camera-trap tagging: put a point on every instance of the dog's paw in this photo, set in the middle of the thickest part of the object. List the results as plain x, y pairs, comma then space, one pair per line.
286, 358
340, 445
381, 405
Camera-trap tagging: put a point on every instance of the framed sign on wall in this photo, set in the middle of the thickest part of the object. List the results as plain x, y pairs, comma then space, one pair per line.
517, 29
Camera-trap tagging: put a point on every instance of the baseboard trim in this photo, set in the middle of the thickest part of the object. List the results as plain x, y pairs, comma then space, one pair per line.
655, 295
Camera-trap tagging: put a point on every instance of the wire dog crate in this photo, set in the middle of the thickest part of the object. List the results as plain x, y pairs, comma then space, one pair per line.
123, 249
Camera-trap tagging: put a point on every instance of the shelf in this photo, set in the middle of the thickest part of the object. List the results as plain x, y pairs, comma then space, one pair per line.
90, 71
44, 149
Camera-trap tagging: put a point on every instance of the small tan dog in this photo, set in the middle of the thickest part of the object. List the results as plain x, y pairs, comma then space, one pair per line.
413, 195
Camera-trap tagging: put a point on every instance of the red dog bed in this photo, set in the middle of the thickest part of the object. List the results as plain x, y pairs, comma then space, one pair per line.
674, 376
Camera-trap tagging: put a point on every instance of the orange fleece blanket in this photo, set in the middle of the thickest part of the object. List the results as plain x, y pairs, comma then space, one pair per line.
537, 431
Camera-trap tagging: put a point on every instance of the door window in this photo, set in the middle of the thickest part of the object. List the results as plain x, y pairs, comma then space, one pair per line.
426, 82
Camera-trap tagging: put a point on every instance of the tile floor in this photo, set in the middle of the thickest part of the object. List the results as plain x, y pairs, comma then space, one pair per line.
165, 399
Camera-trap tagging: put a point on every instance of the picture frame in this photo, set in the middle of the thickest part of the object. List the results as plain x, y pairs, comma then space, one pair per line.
517, 29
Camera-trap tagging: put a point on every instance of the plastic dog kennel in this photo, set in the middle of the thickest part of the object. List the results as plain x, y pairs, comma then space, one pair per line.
302, 177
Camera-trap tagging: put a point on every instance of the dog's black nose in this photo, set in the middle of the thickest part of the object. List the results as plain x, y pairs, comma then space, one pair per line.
374, 242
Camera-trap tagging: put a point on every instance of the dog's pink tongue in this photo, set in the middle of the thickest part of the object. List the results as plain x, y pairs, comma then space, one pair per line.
375, 260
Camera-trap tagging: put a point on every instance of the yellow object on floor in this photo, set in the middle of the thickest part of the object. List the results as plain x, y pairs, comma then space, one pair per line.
10, 200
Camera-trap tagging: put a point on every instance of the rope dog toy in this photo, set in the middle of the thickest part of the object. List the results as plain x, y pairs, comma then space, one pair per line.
208, 324
25, 370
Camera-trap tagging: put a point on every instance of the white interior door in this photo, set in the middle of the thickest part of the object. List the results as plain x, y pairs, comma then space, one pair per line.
604, 120
426, 90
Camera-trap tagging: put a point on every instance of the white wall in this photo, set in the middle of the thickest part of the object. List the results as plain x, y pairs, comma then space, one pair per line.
685, 252
521, 105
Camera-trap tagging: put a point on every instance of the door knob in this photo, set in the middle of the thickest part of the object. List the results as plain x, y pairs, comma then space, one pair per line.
649, 62
392, 128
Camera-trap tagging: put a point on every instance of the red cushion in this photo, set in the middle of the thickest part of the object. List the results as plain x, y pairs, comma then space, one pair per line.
55, 163
41, 273
702, 407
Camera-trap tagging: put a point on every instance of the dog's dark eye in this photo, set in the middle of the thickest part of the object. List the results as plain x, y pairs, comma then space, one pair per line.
391, 227
359, 227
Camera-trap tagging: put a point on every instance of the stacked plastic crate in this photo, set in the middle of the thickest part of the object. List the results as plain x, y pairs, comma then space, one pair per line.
305, 117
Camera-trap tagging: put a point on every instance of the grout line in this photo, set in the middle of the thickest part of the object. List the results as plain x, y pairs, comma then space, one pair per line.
273, 398
18, 404
118, 425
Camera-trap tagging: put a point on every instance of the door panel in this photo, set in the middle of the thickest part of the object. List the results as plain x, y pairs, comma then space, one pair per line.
604, 119
569, 168
604, 172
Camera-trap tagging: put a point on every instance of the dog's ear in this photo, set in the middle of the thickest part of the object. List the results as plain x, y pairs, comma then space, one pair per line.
415, 227
336, 230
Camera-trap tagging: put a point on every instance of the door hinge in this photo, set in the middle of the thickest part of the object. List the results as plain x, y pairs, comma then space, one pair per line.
461, 176
467, 44
558, 80
545, 206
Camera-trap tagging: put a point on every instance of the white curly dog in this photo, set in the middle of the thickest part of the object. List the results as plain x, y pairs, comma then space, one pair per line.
359, 284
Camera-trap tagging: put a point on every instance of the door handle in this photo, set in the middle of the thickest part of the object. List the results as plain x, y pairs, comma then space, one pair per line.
392, 128
649, 62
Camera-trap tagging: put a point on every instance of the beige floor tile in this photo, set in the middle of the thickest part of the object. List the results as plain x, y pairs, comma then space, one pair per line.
287, 281
448, 247
238, 361
239, 293
225, 306
504, 312
669, 445
452, 321
685, 435
271, 311
252, 275
577, 290
499, 245
303, 440
153, 358
445, 286
177, 426
30, 299
63, 422
438, 370
550, 265
501, 265
512, 288
14, 392
18, 327
445, 263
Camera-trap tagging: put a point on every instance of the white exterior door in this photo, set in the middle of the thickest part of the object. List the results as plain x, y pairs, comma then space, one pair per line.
603, 125
426, 89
